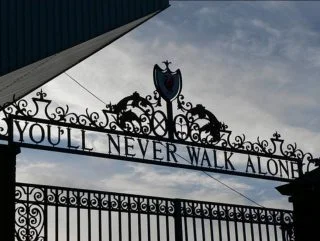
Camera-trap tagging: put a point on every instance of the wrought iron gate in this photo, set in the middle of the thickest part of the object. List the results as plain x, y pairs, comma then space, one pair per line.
49, 213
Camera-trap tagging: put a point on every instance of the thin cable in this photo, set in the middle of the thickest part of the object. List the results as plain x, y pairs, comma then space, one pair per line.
226, 185
85, 88
209, 175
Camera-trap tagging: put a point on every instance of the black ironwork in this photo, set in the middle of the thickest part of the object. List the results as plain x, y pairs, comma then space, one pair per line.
118, 216
167, 83
145, 118
8, 176
57, 212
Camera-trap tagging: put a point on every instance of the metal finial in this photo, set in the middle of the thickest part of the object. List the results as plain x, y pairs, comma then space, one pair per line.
166, 63
277, 135
41, 94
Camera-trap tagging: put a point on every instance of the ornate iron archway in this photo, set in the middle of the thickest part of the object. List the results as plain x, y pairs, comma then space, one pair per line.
177, 134
144, 124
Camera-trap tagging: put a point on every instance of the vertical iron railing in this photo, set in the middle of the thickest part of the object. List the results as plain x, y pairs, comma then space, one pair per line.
48, 213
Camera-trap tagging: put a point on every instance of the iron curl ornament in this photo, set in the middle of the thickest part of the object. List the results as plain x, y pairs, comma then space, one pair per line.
163, 116
35, 203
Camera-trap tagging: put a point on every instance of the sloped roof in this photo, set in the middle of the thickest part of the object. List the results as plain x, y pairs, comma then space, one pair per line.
33, 53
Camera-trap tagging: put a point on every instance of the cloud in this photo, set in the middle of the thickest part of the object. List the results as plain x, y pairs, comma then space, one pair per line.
101, 174
254, 68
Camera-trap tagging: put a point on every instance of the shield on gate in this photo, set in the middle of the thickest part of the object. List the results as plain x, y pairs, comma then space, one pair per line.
167, 83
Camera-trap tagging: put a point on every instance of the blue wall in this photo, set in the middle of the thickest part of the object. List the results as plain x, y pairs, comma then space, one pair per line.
34, 29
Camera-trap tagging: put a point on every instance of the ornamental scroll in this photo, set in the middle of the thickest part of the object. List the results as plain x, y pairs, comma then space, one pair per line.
144, 130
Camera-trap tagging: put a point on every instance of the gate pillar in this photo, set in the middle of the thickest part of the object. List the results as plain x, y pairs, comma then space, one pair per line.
8, 173
177, 220
304, 193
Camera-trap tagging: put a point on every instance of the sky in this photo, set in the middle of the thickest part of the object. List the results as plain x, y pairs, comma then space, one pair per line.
255, 65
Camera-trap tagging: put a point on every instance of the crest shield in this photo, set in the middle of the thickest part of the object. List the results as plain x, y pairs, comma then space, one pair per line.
167, 83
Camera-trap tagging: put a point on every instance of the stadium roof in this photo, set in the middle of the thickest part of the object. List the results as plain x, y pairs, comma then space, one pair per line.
43, 39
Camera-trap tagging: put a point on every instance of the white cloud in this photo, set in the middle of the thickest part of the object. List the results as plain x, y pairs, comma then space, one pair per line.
266, 27
248, 74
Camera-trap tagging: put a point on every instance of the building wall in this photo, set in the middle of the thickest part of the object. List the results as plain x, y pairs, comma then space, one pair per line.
31, 30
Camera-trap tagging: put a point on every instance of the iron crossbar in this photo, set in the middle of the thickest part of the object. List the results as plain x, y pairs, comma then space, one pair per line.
59, 213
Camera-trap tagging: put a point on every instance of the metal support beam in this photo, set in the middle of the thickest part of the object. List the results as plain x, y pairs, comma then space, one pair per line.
8, 174
177, 220
304, 193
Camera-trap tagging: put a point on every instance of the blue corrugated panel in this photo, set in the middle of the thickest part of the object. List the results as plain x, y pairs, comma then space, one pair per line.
31, 30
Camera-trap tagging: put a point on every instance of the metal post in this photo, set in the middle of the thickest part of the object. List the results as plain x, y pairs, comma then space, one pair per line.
177, 220
170, 120
304, 193
300, 166
8, 173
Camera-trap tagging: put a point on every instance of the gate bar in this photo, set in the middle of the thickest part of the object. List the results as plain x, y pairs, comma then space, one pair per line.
8, 172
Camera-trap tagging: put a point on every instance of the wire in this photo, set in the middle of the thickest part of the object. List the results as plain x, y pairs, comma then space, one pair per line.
222, 183
209, 175
85, 88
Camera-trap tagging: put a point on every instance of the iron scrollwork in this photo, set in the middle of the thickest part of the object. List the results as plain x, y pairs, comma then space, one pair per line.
32, 202
30, 220
237, 213
145, 116
196, 123
35, 197
288, 231
135, 114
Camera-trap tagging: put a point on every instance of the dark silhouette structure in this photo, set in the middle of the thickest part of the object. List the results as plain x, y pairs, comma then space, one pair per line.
304, 194
120, 216
145, 122
41, 39
8, 173
34, 30
157, 133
